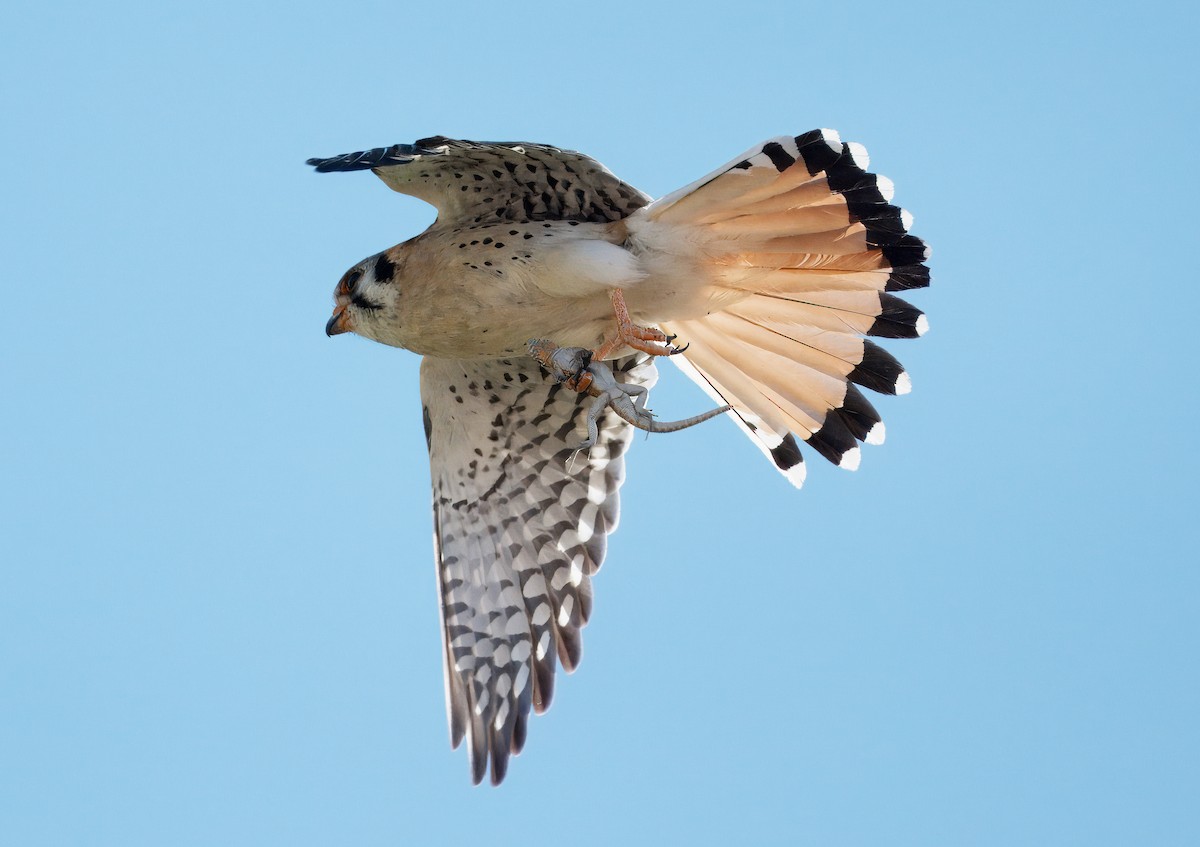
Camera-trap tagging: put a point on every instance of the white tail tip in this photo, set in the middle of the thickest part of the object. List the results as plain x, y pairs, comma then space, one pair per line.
859, 154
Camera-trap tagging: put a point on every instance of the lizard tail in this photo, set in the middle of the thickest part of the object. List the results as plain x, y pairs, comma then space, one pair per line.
650, 424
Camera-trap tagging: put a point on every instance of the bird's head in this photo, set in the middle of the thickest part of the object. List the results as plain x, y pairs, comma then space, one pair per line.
366, 297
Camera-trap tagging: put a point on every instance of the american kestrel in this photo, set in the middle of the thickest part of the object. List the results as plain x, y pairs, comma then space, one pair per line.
774, 268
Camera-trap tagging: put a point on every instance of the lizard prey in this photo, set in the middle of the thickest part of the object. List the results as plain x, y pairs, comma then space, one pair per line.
577, 370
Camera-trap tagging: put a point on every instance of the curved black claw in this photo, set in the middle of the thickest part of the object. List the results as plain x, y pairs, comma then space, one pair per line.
675, 351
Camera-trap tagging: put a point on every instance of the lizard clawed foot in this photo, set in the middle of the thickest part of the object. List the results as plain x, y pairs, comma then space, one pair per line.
575, 455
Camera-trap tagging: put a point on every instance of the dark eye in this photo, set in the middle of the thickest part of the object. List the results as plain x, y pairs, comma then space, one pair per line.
349, 281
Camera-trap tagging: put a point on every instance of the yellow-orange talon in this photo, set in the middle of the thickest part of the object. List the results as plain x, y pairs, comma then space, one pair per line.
647, 339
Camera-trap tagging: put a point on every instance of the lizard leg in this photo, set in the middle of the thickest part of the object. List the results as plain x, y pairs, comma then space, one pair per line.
594, 412
639, 393
628, 334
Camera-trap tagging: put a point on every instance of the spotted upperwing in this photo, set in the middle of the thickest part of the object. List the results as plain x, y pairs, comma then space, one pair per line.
490, 181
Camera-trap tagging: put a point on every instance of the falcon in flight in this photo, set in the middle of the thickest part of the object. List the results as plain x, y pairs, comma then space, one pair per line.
776, 269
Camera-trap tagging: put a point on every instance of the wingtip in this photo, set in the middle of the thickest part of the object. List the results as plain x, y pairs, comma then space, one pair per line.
499, 767
479, 765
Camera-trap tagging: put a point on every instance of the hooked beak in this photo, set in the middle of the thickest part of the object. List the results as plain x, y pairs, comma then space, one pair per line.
339, 323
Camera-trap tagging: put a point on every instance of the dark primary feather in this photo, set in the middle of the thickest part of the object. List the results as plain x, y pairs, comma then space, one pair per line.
490, 181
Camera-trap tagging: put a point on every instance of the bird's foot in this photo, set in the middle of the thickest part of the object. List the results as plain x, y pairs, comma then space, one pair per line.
647, 339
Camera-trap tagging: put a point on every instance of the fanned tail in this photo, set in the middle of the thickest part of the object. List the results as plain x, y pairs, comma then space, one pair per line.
806, 250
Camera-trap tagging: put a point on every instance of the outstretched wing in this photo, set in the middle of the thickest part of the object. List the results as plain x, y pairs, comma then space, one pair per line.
489, 181
517, 537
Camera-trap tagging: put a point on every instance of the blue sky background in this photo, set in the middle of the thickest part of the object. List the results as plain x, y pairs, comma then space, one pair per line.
217, 606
